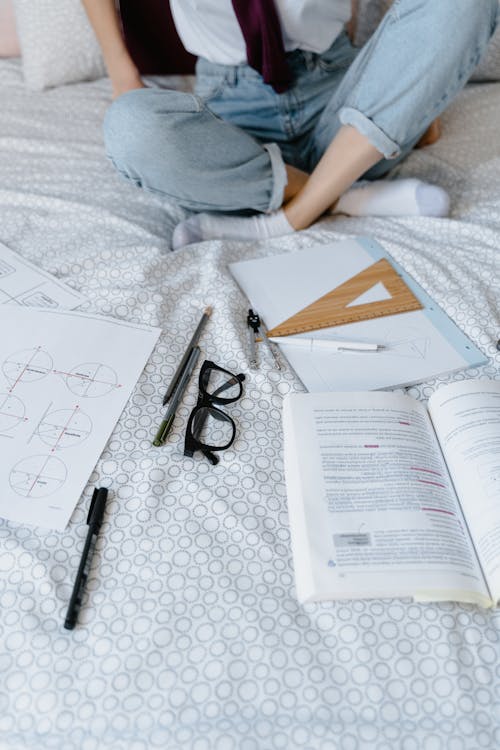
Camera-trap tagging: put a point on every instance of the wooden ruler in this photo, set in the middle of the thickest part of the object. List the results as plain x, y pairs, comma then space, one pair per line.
336, 307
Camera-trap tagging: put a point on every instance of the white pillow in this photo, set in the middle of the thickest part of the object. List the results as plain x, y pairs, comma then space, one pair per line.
371, 12
57, 42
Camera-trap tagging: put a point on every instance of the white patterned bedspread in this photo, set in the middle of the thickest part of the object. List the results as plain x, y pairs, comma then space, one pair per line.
190, 636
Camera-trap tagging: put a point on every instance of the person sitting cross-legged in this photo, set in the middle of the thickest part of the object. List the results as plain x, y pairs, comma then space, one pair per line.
289, 120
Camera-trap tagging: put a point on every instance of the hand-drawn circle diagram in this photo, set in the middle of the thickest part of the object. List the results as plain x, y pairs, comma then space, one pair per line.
91, 380
64, 428
27, 365
37, 476
12, 412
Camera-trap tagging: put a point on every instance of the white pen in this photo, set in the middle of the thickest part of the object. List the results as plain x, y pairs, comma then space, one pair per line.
327, 344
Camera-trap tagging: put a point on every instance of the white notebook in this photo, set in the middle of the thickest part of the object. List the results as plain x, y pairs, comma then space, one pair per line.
418, 345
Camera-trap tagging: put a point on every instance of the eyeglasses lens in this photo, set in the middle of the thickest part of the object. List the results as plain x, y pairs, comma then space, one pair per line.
220, 384
212, 427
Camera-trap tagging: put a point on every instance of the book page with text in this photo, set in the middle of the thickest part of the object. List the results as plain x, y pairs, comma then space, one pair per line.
372, 510
466, 417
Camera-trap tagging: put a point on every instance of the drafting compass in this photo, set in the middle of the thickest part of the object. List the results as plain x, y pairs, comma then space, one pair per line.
257, 331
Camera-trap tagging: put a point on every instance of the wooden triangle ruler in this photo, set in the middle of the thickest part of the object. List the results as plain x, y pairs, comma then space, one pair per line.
339, 307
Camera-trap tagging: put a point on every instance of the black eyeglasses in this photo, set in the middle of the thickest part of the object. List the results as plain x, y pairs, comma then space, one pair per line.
209, 429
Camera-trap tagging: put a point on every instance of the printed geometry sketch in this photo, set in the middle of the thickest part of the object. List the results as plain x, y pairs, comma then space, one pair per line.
65, 378
12, 412
4, 297
64, 428
88, 380
27, 366
91, 379
25, 284
5, 268
37, 476
34, 298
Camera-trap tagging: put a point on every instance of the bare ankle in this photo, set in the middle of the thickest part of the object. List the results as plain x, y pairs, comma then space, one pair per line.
431, 135
296, 180
294, 216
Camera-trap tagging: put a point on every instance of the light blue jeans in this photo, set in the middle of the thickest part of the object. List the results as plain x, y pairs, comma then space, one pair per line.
225, 148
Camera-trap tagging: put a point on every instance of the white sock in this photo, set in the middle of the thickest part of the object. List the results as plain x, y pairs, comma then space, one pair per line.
409, 197
221, 226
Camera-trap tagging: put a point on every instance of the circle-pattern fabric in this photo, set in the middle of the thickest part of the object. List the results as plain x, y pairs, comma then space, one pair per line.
190, 636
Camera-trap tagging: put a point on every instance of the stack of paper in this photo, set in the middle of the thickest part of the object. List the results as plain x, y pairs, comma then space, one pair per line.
414, 346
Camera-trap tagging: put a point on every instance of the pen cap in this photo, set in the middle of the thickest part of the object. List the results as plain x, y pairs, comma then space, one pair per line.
70, 621
96, 509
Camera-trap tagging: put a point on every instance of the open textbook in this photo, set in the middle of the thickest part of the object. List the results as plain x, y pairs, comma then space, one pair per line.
389, 499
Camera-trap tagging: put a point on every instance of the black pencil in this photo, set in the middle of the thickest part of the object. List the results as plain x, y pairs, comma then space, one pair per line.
194, 340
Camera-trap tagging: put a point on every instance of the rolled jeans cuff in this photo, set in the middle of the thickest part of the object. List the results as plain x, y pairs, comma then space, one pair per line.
280, 178
350, 116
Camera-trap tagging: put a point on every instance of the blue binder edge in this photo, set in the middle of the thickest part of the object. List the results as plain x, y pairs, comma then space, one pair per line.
457, 338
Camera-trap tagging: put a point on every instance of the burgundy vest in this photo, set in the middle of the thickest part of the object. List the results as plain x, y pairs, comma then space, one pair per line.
155, 47
261, 29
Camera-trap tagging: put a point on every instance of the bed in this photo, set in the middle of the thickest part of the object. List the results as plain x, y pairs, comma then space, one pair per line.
191, 636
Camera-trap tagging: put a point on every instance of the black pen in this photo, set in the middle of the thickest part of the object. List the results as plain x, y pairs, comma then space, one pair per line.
94, 520
194, 340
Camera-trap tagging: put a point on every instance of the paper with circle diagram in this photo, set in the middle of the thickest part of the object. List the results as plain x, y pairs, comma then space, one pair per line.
65, 378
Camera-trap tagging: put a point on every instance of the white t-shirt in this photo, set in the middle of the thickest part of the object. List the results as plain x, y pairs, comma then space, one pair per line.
210, 29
